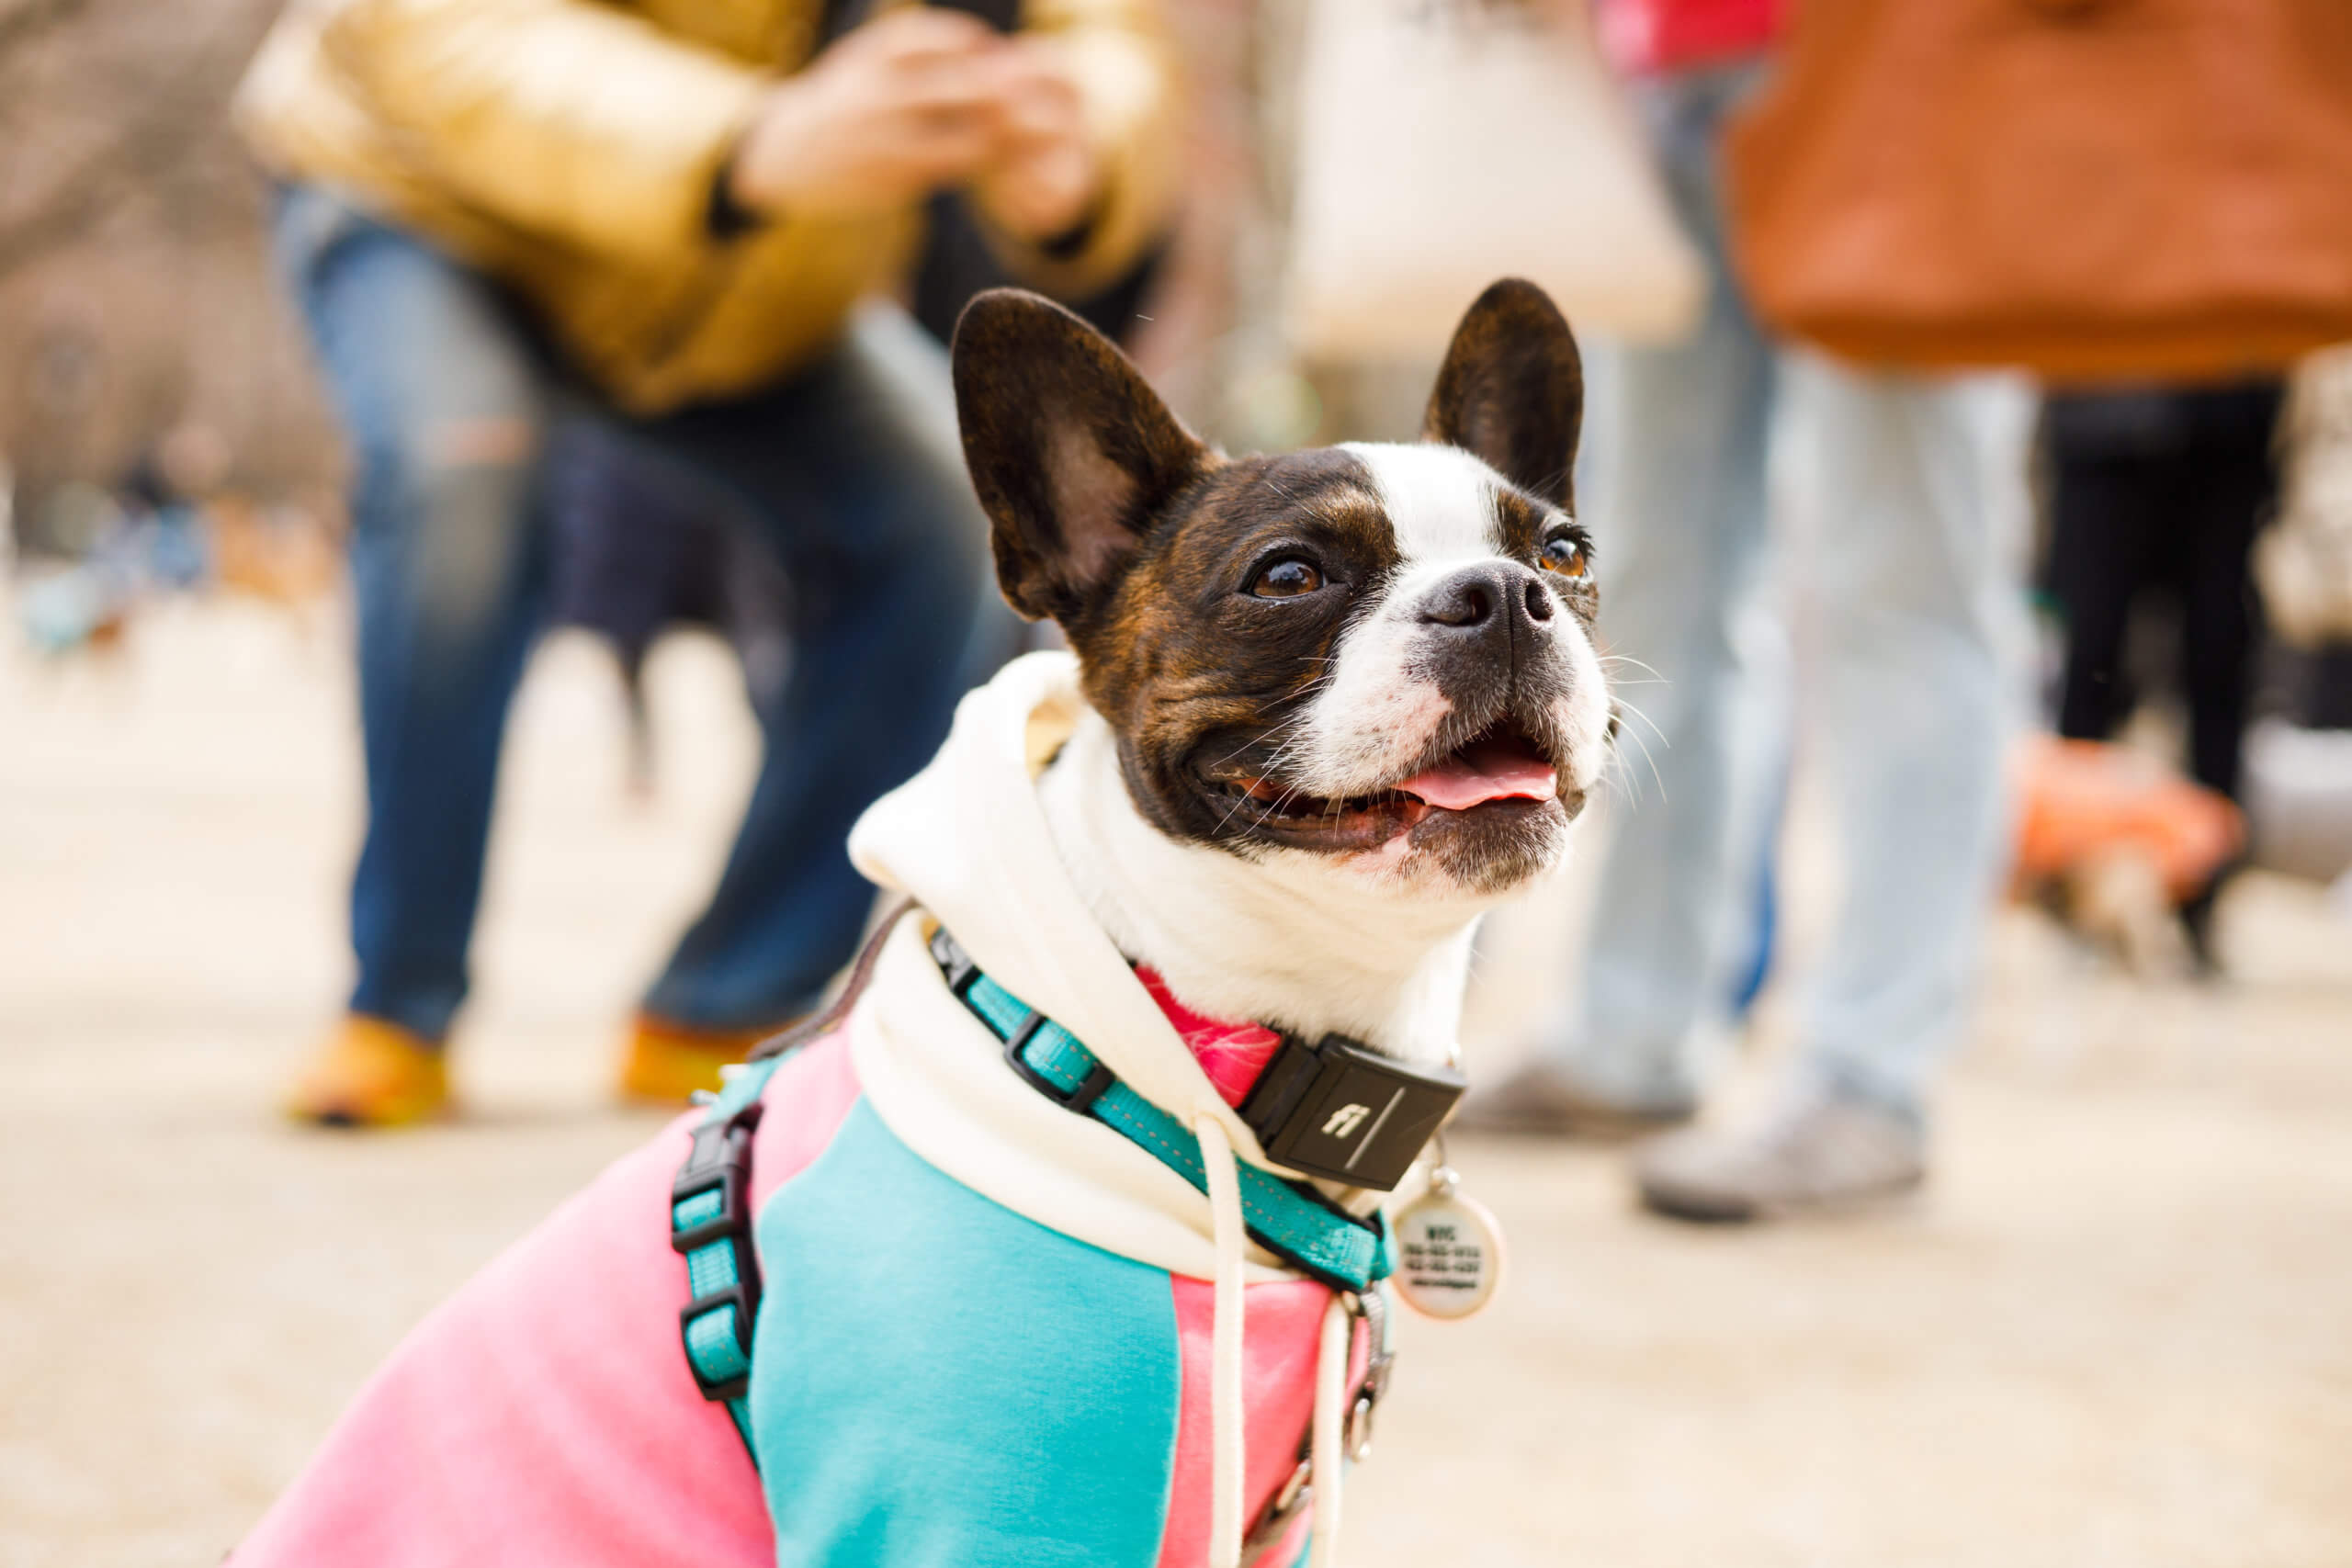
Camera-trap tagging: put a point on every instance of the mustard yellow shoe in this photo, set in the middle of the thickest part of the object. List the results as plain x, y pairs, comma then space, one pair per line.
666, 1062
371, 1074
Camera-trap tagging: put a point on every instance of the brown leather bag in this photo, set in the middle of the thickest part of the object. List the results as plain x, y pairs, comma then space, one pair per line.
2092, 189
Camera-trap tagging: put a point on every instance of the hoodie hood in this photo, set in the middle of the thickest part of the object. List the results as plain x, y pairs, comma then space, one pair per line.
968, 841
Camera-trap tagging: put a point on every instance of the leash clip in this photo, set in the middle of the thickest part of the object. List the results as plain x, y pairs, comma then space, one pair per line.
1371, 1309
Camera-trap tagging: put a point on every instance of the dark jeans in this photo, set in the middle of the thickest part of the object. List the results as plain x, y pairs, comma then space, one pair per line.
2160, 492
851, 472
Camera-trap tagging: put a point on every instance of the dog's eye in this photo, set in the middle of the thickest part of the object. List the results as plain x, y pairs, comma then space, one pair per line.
1287, 579
1564, 555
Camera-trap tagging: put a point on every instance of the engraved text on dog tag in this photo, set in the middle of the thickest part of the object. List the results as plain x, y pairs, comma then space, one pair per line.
1449, 1250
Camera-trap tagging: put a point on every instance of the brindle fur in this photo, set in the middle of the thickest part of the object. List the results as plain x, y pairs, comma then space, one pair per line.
1512, 390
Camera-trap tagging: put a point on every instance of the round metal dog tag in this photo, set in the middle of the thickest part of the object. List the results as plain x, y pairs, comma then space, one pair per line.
1449, 1251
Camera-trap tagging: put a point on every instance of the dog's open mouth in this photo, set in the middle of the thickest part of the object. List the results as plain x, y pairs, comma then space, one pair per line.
1502, 769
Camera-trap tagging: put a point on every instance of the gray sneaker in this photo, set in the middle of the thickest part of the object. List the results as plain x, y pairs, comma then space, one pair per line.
1818, 1153
1542, 1099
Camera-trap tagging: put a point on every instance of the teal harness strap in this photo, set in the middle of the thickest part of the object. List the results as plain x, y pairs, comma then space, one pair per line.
1291, 1220
710, 1225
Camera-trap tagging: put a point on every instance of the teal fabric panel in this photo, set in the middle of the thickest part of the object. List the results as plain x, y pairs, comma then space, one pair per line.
938, 1381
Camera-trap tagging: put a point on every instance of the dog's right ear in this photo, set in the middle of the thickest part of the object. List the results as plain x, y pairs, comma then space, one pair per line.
1512, 390
1071, 452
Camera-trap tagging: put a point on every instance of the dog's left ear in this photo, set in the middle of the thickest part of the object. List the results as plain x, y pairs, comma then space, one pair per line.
1071, 452
1512, 390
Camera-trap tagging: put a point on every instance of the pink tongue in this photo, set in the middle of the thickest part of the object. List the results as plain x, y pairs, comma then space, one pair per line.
1479, 774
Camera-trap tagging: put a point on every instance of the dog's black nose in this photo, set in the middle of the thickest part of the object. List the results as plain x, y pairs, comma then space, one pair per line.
1492, 593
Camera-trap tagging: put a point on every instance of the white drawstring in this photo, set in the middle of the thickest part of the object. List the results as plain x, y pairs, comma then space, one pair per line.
1227, 1236
1330, 1437
1332, 1365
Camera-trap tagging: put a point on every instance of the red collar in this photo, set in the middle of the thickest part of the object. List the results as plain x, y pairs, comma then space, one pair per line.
1232, 1054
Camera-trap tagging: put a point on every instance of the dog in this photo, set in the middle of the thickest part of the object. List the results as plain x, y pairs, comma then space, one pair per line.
2123, 851
1059, 1241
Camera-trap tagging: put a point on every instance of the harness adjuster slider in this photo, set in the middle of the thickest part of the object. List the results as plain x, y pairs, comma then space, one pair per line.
721, 1162
742, 1300
1089, 1088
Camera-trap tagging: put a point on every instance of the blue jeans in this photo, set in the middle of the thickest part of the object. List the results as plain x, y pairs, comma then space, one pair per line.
1908, 594
851, 472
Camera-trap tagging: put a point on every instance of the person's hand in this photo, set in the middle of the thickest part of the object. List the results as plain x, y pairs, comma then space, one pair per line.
1045, 174
911, 101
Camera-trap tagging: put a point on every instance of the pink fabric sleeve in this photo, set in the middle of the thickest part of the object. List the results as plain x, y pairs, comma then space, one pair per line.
545, 1413
1282, 1332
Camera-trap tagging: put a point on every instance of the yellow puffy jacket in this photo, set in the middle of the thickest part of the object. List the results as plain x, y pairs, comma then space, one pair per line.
569, 147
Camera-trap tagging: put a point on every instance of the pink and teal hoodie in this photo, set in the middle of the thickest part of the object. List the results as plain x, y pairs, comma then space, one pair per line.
986, 1337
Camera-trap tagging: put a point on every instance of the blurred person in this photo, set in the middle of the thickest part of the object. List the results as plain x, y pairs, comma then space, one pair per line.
2298, 782
636, 552
2158, 491
500, 216
165, 494
1904, 585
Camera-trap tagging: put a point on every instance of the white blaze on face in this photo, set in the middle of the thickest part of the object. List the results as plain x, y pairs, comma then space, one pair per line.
1376, 716
1374, 719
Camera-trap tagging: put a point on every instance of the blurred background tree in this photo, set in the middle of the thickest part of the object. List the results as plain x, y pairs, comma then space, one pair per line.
135, 291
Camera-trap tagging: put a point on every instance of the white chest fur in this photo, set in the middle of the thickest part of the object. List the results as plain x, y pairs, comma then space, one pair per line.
1281, 937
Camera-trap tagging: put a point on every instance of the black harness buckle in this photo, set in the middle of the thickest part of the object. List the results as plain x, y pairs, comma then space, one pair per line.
960, 970
1089, 1088
1340, 1109
720, 1161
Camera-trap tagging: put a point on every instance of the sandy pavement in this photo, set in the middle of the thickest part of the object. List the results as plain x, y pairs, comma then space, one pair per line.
2117, 1331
